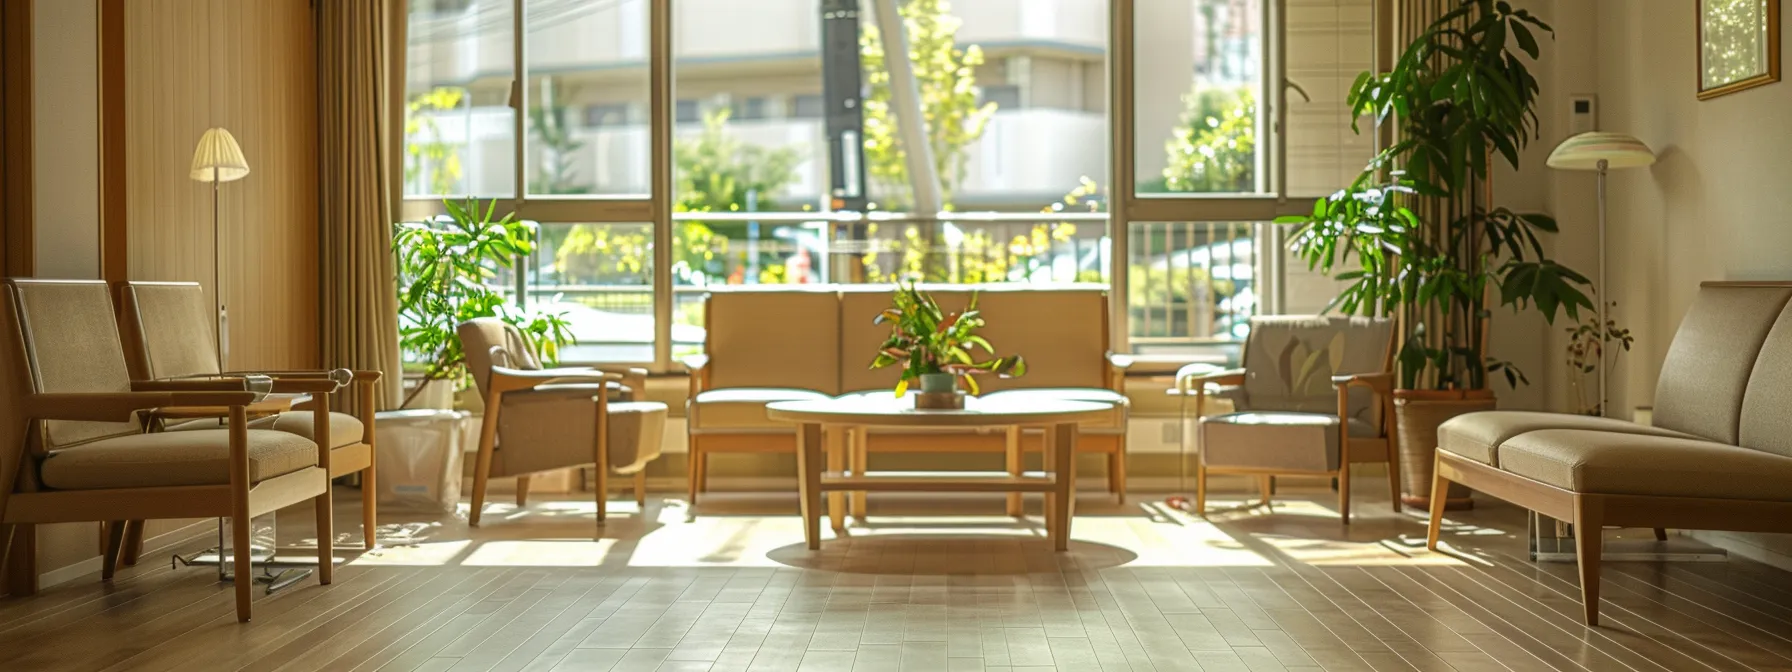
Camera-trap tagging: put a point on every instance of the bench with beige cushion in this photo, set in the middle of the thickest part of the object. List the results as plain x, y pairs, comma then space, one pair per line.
1719, 456
776, 344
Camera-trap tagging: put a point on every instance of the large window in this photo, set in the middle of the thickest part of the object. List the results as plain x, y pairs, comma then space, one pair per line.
788, 136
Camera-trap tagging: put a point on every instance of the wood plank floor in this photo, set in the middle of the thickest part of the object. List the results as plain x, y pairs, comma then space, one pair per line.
1143, 588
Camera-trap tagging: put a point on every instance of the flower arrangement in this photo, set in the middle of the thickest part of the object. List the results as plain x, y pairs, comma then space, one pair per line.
933, 345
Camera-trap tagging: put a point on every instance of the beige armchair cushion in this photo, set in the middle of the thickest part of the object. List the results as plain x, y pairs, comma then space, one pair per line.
1765, 423
1273, 440
542, 430
172, 459
742, 408
774, 338
345, 429
1610, 463
1478, 436
1289, 361
1706, 373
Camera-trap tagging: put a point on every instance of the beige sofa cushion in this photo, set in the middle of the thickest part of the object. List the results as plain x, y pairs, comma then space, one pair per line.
1766, 423
1610, 463
1477, 436
774, 338
1062, 333
1703, 379
345, 429
173, 458
1275, 440
742, 408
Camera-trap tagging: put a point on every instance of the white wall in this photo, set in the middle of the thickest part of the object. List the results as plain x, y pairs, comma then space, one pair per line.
66, 161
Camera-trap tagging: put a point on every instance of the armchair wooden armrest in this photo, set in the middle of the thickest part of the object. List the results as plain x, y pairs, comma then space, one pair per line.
226, 383
1198, 384
119, 406
634, 380
1381, 382
505, 379
698, 366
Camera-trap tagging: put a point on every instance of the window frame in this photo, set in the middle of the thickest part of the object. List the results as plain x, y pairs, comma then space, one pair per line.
1126, 205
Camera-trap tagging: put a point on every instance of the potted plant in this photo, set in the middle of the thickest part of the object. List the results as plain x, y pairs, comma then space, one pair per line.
936, 348
444, 268
1417, 236
1587, 358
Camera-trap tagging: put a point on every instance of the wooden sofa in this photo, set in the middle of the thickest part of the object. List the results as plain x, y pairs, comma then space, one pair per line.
1719, 456
772, 344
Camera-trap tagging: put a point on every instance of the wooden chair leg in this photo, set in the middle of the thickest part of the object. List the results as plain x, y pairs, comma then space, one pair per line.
1344, 491
641, 490
601, 472
1267, 490
703, 471
240, 519
692, 463
1440, 491
482, 467
1661, 534
370, 498
1394, 477
1200, 489
21, 559
1589, 541
132, 546
1117, 464
522, 491
326, 537
114, 545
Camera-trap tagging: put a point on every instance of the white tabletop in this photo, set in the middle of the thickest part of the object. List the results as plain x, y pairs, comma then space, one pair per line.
886, 410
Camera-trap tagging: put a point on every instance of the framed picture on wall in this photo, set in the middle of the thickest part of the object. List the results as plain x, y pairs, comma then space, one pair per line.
1739, 45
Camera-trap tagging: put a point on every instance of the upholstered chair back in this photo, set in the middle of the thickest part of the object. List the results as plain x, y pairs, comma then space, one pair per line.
1062, 333
168, 326
1727, 376
70, 344
479, 336
787, 338
1289, 361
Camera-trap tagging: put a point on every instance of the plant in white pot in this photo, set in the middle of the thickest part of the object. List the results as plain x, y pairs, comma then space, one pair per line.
935, 348
1417, 236
443, 270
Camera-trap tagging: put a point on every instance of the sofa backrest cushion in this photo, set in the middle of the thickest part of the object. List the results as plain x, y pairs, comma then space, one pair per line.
1062, 333
784, 337
1705, 378
1766, 422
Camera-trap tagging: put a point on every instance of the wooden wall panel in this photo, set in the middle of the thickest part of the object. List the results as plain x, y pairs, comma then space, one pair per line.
249, 66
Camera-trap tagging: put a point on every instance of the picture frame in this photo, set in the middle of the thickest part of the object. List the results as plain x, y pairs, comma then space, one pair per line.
1738, 45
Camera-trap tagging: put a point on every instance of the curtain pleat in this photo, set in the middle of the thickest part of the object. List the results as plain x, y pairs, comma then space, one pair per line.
357, 298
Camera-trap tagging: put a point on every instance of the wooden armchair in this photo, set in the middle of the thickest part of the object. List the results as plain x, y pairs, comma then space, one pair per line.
1314, 396
167, 329
539, 420
82, 455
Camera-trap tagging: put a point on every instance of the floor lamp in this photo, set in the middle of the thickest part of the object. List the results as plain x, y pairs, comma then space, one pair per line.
1600, 152
218, 159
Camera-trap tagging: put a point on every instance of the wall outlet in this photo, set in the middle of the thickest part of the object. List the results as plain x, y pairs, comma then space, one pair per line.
1583, 114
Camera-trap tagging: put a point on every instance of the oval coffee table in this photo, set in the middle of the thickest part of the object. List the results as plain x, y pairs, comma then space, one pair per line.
854, 413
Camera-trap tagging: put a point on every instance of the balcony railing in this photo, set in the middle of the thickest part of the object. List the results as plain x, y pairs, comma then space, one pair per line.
1191, 283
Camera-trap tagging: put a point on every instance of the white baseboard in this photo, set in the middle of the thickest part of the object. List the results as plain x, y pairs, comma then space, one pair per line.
152, 546
1747, 545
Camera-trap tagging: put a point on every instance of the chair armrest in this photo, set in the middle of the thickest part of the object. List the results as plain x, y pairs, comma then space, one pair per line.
120, 406
634, 380
1198, 384
505, 379
1381, 382
227, 383
1120, 360
698, 366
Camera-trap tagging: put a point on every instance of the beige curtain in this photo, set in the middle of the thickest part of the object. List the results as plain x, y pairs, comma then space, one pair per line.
357, 298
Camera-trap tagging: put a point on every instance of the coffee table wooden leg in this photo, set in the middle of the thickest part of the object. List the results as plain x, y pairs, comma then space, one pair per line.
835, 437
861, 456
808, 466
1062, 441
1014, 469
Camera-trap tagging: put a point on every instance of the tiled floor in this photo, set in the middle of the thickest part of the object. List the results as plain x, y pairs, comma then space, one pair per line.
1143, 588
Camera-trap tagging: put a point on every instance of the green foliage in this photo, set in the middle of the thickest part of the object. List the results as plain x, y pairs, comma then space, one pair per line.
1586, 353
1214, 148
925, 339
947, 79
557, 174
444, 270
1416, 230
425, 149
715, 170
620, 253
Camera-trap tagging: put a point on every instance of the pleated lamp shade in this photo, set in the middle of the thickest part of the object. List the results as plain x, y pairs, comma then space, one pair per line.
1586, 150
218, 156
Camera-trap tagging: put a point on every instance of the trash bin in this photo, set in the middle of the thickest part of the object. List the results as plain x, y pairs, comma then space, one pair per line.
420, 459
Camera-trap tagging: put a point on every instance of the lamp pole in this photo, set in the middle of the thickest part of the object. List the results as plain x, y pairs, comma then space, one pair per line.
1599, 291
219, 329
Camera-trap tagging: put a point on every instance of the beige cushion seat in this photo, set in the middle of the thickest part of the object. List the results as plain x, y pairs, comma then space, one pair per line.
173, 459
1276, 440
743, 408
1478, 436
557, 423
345, 429
1610, 463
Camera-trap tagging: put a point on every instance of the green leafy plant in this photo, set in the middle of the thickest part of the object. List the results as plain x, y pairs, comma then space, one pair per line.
444, 270
927, 340
1586, 354
1417, 230
426, 153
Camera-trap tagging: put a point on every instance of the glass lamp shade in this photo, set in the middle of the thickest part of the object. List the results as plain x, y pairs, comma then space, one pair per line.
218, 157
1586, 150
